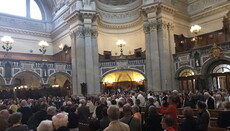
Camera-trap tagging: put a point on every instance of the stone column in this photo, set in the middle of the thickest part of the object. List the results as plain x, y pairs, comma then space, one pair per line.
164, 55
91, 53
148, 56
96, 76
80, 57
172, 47
155, 61
73, 61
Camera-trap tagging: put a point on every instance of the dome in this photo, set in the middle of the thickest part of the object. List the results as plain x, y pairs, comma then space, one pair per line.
116, 2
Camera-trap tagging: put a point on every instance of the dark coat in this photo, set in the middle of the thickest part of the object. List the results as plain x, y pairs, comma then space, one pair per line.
26, 114
153, 123
224, 119
104, 122
188, 124
133, 122
211, 103
73, 120
99, 111
35, 120
83, 114
203, 121
18, 128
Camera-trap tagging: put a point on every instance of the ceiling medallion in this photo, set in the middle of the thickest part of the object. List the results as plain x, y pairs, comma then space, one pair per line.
216, 51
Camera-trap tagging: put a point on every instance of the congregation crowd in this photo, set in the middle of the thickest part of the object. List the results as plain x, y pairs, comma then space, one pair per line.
129, 111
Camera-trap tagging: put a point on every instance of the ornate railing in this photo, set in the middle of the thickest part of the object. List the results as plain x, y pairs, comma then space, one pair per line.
112, 63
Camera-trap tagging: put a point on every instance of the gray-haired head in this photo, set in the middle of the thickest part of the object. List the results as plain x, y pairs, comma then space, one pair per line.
113, 112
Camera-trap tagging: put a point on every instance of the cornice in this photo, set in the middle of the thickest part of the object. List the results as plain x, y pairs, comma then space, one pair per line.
120, 28
159, 7
103, 24
210, 12
121, 17
120, 8
26, 32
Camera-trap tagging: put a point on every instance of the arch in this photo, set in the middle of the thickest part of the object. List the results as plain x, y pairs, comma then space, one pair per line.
45, 10
62, 73
2, 80
206, 66
128, 69
25, 72
184, 68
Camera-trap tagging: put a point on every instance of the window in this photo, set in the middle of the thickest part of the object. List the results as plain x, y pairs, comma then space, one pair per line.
186, 73
35, 12
23, 8
222, 68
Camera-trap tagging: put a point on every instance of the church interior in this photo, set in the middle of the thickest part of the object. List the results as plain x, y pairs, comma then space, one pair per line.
115, 65
78, 47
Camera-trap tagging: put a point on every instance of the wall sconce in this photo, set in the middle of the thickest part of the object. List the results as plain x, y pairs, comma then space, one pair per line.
121, 44
7, 42
195, 29
63, 48
43, 45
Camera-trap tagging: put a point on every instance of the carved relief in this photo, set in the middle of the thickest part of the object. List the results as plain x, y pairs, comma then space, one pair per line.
153, 26
80, 31
146, 28
94, 32
87, 31
162, 25
120, 17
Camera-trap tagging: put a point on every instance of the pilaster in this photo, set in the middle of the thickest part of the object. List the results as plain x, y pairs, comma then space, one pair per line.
159, 46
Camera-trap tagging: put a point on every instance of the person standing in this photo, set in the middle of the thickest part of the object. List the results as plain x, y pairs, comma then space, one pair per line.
203, 117
115, 124
171, 109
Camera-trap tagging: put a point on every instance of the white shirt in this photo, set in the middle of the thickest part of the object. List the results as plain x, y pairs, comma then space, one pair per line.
142, 99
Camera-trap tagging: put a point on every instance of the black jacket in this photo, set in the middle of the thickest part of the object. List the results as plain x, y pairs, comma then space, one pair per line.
203, 121
224, 119
188, 124
153, 123
26, 114
83, 114
99, 110
18, 128
210, 103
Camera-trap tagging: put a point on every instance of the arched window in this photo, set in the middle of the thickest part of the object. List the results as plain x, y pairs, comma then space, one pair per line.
23, 8
186, 72
222, 68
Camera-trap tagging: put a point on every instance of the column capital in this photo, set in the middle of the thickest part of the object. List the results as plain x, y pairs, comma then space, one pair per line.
153, 26
94, 32
87, 31
171, 26
72, 34
146, 28
162, 25
79, 32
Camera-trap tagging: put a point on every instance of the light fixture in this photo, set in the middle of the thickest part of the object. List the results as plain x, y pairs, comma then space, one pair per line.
61, 46
195, 29
43, 45
7, 42
121, 44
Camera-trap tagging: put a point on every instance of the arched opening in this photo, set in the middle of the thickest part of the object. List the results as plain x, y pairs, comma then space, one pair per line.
60, 84
121, 81
219, 75
26, 85
23, 8
186, 80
